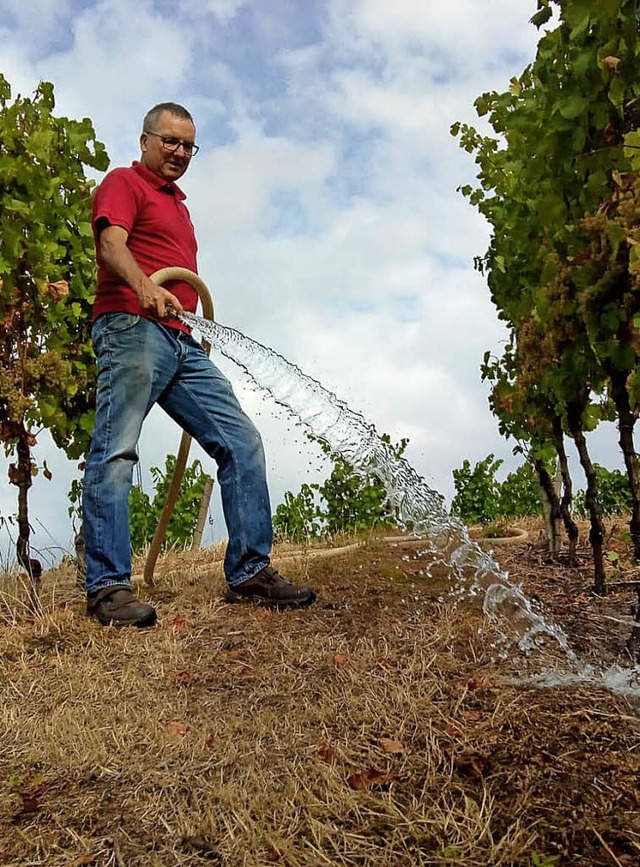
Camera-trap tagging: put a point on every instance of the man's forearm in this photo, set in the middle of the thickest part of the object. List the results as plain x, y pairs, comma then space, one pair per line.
120, 261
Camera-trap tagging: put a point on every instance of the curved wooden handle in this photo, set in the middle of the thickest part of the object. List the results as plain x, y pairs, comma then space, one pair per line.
160, 277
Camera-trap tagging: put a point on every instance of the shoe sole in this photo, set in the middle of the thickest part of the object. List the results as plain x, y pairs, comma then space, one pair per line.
276, 604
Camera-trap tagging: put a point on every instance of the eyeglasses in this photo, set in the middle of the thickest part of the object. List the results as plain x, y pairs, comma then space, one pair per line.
172, 144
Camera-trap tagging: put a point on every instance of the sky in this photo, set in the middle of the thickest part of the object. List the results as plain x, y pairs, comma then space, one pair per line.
324, 198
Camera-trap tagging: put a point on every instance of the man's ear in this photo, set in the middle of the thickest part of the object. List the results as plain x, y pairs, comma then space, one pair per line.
143, 141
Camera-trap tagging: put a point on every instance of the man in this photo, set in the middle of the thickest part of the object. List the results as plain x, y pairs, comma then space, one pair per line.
145, 356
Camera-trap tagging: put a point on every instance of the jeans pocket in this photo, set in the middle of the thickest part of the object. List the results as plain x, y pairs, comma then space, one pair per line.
112, 324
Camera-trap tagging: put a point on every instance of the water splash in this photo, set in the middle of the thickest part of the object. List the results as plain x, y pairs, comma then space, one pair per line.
416, 506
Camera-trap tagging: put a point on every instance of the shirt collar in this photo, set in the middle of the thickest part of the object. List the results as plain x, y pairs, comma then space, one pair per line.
156, 181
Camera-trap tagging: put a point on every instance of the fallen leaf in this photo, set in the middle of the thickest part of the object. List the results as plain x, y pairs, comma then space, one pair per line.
176, 730
478, 684
178, 622
340, 659
186, 678
326, 754
471, 764
210, 741
453, 731
385, 664
241, 670
30, 802
391, 746
233, 654
471, 715
371, 779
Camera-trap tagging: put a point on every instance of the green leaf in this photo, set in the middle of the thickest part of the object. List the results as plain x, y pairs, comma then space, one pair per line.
573, 106
541, 17
617, 91
632, 148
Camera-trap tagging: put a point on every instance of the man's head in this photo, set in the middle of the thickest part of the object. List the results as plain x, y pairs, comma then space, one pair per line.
168, 140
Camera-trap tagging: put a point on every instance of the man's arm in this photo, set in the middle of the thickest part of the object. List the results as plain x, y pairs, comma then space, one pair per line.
120, 261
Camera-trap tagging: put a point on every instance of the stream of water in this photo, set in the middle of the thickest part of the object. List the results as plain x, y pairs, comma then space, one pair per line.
417, 508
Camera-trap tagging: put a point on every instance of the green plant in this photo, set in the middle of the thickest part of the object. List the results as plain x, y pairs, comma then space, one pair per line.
346, 502
46, 285
520, 493
614, 493
544, 860
144, 512
496, 529
477, 499
560, 189
298, 519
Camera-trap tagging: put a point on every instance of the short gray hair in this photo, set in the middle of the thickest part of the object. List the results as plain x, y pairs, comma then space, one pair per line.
151, 118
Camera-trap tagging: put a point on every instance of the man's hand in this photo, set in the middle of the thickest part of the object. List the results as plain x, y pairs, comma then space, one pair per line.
119, 260
157, 300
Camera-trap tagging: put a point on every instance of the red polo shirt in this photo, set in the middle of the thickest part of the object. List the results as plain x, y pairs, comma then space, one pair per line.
160, 234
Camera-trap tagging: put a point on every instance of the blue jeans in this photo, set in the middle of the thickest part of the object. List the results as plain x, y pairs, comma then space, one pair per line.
142, 362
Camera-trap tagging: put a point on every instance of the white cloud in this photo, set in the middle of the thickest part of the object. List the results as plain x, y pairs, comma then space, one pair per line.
232, 186
466, 30
324, 196
225, 10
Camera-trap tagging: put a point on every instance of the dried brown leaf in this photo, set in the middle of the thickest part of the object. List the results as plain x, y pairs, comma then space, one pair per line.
610, 63
389, 745
371, 779
179, 623
478, 684
57, 290
176, 730
385, 664
326, 754
453, 731
186, 678
471, 764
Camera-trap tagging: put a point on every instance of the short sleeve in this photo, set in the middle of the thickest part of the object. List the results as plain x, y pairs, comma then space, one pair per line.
117, 200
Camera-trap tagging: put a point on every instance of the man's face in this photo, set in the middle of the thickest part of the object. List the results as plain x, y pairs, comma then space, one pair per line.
169, 165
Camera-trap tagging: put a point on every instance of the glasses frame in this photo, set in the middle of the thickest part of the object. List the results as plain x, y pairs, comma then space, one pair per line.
193, 148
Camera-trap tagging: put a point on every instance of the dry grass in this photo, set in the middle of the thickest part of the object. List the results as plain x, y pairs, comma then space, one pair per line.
376, 728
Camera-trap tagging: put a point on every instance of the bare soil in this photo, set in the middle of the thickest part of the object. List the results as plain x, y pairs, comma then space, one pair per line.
386, 725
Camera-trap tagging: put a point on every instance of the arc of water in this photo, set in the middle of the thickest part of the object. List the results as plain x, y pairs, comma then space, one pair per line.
418, 508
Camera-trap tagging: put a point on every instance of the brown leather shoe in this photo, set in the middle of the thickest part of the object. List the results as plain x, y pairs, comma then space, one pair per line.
269, 589
117, 605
